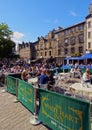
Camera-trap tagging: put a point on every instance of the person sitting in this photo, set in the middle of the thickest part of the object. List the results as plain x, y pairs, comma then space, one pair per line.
76, 66
24, 75
51, 80
86, 76
72, 72
43, 79
79, 73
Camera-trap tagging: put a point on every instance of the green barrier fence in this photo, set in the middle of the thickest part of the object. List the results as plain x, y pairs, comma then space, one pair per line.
57, 111
11, 84
26, 94
60, 112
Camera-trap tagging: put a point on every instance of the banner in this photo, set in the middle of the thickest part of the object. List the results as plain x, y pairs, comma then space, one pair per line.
26, 94
61, 112
11, 84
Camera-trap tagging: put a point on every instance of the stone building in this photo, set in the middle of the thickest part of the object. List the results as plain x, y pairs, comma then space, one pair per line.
88, 28
70, 41
26, 51
62, 42
46, 47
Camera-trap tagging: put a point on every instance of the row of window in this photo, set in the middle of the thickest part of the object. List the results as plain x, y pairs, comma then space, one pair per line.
44, 45
72, 30
66, 50
44, 54
72, 40
73, 50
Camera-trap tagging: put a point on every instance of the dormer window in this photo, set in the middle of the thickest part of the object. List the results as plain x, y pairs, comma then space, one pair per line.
72, 30
80, 27
66, 32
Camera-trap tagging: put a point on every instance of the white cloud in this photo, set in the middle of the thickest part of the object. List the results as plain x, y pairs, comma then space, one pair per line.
17, 36
72, 13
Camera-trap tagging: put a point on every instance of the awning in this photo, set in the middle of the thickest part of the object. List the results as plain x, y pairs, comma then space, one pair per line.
74, 58
87, 56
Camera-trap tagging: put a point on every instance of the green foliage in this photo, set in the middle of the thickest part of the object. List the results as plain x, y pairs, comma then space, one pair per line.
6, 44
5, 32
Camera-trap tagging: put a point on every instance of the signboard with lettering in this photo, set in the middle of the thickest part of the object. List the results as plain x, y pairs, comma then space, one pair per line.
11, 84
61, 112
26, 94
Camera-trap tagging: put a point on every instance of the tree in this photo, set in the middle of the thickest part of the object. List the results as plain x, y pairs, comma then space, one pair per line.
6, 44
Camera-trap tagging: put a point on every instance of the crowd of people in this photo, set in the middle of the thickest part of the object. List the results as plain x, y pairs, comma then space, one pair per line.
42, 71
77, 70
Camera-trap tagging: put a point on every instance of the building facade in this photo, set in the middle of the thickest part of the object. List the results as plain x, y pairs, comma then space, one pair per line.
70, 41
26, 51
62, 42
88, 26
46, 46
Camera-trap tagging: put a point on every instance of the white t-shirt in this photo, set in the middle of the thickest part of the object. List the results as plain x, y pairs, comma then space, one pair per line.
85, 78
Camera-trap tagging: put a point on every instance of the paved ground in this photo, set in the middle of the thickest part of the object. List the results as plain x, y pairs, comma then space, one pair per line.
14, 116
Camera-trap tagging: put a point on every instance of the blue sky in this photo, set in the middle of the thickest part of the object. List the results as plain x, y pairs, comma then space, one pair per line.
30, 19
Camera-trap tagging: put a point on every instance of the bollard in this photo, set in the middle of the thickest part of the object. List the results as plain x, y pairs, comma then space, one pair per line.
16, 100
34, 120
4, 90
